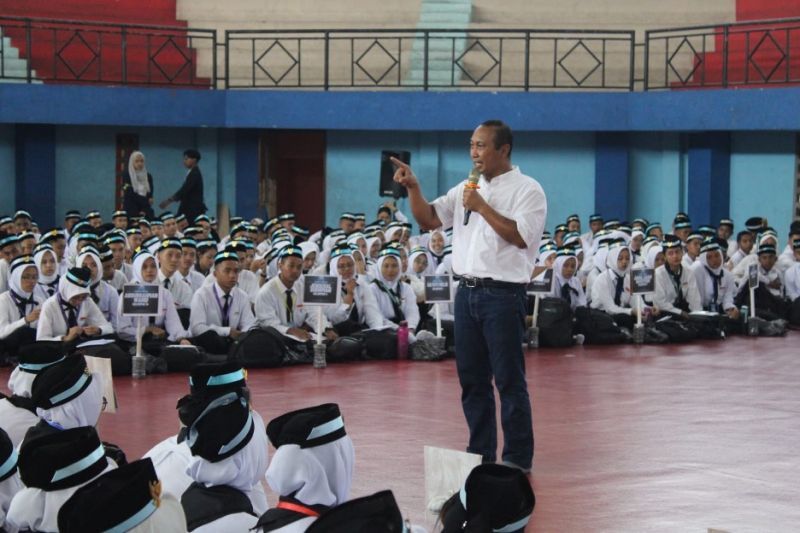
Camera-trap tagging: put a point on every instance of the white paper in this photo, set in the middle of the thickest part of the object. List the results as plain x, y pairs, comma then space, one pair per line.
97, 342
102, 367
445, 473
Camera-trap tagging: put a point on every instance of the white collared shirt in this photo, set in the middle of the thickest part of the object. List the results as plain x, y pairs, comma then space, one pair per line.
478, 250
53, 324
207, 313
666, 293
271, 307
180, 290
167, 319
10, 320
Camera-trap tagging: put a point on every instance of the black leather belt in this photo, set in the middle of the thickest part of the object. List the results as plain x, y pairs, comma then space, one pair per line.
489, 283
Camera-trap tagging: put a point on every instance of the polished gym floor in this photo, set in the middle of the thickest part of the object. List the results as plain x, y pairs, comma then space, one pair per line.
654, 438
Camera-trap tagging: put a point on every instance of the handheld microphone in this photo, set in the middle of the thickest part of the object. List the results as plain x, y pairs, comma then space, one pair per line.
472, 183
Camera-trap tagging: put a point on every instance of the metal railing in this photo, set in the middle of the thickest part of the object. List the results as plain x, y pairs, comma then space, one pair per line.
429, 59
757, 53
105, 53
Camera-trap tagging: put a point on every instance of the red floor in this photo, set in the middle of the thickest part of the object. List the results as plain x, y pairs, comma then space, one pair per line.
676, 438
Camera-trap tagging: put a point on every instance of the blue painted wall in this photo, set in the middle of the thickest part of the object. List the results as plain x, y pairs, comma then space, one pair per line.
7, 168
562, 162
762, 179
656, 177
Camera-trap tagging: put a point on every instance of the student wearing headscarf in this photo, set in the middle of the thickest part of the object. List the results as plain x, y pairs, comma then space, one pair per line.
716, 285
221, 312
127, 499
420, 265
770, 295
10, 483
396, 300
740, 271
101, 293
312, 469
18, 412
310, 254
53, 466
229, 460
566, 284
676, 288
162, 329
598, 263
19, 307
137, 187
611, 291
436, 245
8, 252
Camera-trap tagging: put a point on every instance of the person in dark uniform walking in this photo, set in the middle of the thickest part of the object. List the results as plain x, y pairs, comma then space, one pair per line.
190, 195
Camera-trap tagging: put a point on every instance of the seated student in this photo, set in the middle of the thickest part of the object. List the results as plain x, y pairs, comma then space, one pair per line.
715, 284
169, 256
26, 242
436, 244
8, 252
248, 281
792, 274
221, 311
229, 460
53, 466
312, 469
18, 412
359, 309
128, 498
740, 272
10, 483
103, 294
66, 396
56, 238
396, 300
206, 250
172, 455
692, 249
770, 295
566, 284
676, 289
786, 258
310, 253
279, 307
493, 498
71, 316
19, 308
611, 291
163, 329
111, 275
598, 263
186, 270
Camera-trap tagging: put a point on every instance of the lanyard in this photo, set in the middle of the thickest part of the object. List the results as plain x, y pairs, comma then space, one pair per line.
64, 314
297, 508
225, 316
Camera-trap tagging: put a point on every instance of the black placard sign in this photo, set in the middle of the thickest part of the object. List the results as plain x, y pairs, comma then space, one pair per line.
543, 286
643, 280
321, 290
438, 289
140, 300
752, 277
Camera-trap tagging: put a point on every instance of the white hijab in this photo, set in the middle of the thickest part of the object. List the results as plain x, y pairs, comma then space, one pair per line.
379, 275
15, 280
138, 179
89, 252
558, 267
652, 253
429, 270
38, 258
320, 475
612, 258
138, 264
83, 410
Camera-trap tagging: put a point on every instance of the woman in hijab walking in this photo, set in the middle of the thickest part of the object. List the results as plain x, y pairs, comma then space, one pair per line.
137, 187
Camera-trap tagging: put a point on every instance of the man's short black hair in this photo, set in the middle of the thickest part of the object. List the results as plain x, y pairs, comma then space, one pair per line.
502, 134
743, 233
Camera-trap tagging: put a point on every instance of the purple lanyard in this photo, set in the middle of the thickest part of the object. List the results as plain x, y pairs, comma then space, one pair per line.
64, 314
225, 316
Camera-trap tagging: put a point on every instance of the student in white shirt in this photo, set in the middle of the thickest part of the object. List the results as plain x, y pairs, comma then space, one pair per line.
221, 311
359, 309
161, 330
186, 266
206, 250
792, 274
169, 256
396, 300
676, 288
692, 252
715, 284
19, 308
770, 295
103, 294
611, 291
8, 252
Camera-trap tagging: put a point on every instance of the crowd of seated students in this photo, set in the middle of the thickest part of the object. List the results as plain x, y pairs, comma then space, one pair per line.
56, 474
701, 277
243, 292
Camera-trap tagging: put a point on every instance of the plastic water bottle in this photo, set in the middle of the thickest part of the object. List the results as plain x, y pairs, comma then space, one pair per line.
745, 312
320, 360
402, 340
138, 366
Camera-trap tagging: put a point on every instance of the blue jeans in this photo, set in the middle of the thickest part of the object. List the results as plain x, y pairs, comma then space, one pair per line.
489, 330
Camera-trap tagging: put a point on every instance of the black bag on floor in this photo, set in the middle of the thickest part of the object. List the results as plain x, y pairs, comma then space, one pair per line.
794, 312
554, 323
676, 330
344, 349
380, 345
181, 358
707, 326
258, 348
598, 327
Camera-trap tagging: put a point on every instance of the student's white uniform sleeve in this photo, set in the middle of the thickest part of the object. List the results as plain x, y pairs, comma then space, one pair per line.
693, 294
602, 297
400, 216
247, 320
410, 309
198, 322
172, 322
126, 326
728, 289
113, 308
266, 311
94, 317
8, 313
46, 329
665, 292
3, 276
581, 295
336, 314
373, 313
793, 282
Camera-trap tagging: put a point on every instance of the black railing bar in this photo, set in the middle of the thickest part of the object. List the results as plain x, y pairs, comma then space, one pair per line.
728, 25
431, 30
103, 24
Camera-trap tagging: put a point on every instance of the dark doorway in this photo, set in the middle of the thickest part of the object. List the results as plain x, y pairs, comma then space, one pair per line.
295, 175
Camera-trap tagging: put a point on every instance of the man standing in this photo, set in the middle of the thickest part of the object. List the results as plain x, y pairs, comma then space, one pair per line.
496, 232
190, 195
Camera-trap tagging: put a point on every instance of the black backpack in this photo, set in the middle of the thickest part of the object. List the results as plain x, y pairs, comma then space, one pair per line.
598, 327
258, 348
676, 330
554, 323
